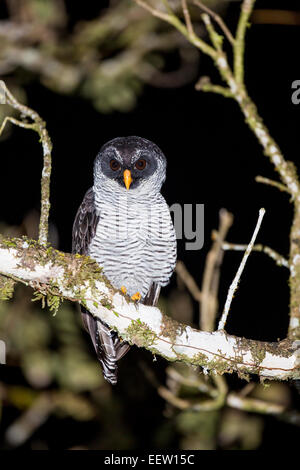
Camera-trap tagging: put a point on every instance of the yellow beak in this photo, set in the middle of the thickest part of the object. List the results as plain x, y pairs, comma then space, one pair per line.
127, 178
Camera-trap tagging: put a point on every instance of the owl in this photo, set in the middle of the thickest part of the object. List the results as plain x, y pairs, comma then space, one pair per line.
124, 224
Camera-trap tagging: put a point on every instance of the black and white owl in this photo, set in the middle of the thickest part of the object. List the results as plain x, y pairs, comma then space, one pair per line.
125, 225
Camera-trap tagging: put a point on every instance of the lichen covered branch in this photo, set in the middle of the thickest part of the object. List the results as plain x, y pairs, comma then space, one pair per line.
39, 126
239, 44
55, 275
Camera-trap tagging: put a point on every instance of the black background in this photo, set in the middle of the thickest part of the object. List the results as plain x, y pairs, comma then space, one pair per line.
213, 159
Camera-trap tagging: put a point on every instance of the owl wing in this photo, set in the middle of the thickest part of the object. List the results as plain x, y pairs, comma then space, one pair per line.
85, 224
108, 346
152, 295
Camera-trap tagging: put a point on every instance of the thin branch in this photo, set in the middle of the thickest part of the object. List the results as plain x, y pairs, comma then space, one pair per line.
187, 18
168, 7
276, 184
218, 400
217, 19
233, 400
175, 21
247, 389
254, 405
196, 382
204, 84
211, 276
195, 405
39, 126
219, 396
16, 122
280, 260
24, 426
188, 281
170, 397
239, 44
215, 38
235, 281
157, 13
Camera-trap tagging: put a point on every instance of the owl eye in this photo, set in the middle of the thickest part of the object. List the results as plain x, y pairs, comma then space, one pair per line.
140, 164
114, 165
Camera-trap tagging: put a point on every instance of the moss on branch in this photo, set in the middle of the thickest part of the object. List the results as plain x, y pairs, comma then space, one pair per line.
55, 276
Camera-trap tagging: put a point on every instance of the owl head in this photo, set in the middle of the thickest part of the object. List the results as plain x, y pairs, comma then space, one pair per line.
130, 164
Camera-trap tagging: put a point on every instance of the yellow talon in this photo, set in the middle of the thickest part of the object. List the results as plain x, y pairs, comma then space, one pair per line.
124, 290
136, 296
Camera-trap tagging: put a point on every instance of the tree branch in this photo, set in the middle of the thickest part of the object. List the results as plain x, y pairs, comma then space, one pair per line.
275, 184
279, 259
236, 279
175, 21
239, 44
217, 19
211, 275
187, 17
188, 281
55, 276
204, 84
39, 126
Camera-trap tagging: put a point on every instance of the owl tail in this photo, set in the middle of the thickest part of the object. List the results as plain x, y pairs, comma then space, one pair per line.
108, 346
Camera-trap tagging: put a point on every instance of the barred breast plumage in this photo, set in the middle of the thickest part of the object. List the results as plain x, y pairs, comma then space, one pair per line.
135, 242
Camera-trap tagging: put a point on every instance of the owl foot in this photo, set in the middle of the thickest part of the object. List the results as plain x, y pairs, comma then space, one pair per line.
123, 289
136, 296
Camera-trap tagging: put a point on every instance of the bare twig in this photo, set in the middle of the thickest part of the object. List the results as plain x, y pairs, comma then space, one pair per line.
217, 19
207, 405
235, 281
276, 184
167, 6
154, 11
192, 381
21, 429
187, 17
239, 44
204, 84
219, 396
210, 282
188, 280
215, 38
175, 21
170, 397
280, 260
247, 389
235, 400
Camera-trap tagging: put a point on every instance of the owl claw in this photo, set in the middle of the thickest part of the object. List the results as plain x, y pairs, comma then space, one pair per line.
136, 296
123, 289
